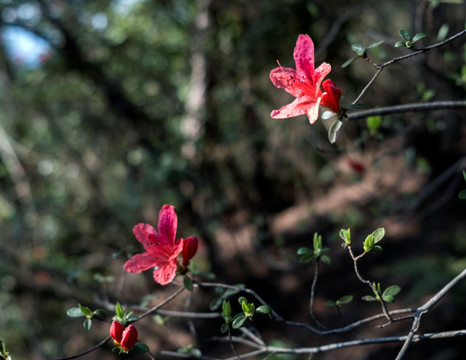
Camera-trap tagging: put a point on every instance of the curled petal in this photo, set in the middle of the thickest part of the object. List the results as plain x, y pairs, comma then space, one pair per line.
331, 97
300, 106
190, 246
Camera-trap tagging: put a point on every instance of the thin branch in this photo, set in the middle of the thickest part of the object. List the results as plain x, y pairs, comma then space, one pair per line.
259, 350
311, 301
404, 57
425, 308
95, 347
415, 107
369, 283
166, 301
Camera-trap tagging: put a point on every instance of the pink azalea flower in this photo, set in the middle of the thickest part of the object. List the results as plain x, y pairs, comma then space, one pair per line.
303, 83
331, 96
161, 250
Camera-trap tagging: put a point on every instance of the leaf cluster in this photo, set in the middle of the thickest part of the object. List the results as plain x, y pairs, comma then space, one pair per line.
361, 52
370, 243
317, 253
407, 41
388, 295
84, 311
248, 311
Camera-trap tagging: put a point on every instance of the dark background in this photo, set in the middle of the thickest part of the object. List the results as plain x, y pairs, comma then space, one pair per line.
136, 104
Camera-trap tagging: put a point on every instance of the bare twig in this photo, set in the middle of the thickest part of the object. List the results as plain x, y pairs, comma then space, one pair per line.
261, 350
369, 283
311, 301
404, 57
416, 107
425, 308
95, 347
163, 303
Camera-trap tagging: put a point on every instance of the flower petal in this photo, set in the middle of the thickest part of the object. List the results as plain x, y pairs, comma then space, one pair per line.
166, 273
304, 56
300, 106
332, 95
284, 78
146, 235
168, 223
116, 331
129, 337
144, 261
320, 73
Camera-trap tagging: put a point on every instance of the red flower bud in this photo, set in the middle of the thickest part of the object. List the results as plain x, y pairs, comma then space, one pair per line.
331, 96
189, 249
116, 332
130, 336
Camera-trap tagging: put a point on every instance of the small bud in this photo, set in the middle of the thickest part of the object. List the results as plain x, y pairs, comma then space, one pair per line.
130, 336
116, 332
190, 246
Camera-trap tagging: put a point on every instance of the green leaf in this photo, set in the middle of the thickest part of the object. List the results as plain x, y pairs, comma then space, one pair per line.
242, 300
419, 36
345, 299
388, 298
130, 319
443, 32
75, 312
238, 321
392, 290
160, 320
325, 259
224, 328
264, 309
100, 312
304, 251
369, 243
334, 130
358, 49
87, 324
119, 311
462, 194
405, 34
377, 248
317, 241
330, 303
327, 114
373, 124
345, 235
378, 234
348, 62
226, 311
373, 45
188, 283
369, 298
140, 348
464, 175
306, 259
86, 311
400, 44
